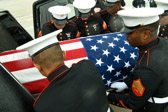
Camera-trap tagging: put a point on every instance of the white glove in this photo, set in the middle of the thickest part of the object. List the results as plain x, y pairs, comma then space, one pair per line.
119, 86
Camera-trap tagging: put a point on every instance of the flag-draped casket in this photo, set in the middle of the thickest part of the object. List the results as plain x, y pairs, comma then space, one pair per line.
111, 54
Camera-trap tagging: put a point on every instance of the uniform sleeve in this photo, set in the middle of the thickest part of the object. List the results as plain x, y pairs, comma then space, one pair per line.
76, 32
103, 27
143, 87
45, 30
129, 80
103, 14
100, 4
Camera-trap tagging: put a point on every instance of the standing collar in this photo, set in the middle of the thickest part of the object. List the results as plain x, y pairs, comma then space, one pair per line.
149, 44
56, 72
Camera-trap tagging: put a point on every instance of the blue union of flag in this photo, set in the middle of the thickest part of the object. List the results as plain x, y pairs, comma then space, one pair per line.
112, 55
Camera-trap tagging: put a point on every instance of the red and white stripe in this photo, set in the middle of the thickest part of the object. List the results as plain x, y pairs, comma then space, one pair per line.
20, 64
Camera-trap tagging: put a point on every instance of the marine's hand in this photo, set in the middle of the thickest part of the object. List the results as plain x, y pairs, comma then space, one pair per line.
119, 86
96, 10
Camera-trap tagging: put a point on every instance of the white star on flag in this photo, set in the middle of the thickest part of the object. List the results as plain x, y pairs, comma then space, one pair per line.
110, 68
122, 49
116, 39
133, 56
89, 39
94, 48
108, 82
103, 77
124, 77
119, 35
117, 58
105, 37
106, 52
100, 41
127, 64
132, 70
111, 45
117, 73
99, 62
125, 42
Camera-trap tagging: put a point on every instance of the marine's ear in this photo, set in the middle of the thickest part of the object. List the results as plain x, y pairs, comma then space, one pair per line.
146, 34
40, 69
64, 54
52, 20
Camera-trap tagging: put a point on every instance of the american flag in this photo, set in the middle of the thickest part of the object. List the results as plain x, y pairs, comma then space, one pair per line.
111, 54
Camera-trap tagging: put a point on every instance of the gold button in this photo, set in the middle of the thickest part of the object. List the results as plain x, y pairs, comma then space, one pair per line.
162, 34
87, 33
163, 29
60, 33
146, 51
60, 38
87, 30
85, 22
86, 26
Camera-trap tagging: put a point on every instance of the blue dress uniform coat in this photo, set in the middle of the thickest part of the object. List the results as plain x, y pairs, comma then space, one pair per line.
76, 89
149, 80
94, 25
70, 31
113, 21
163, 32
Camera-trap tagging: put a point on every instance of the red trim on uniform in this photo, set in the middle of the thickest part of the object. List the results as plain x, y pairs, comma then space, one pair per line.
138, 89
152, 47
71, 24
55, 69
151, 40
48, 85
148, 54
148, 57
95, 15
147, 49
48, 24
141, 58
122, 104
74, 19
102, 12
